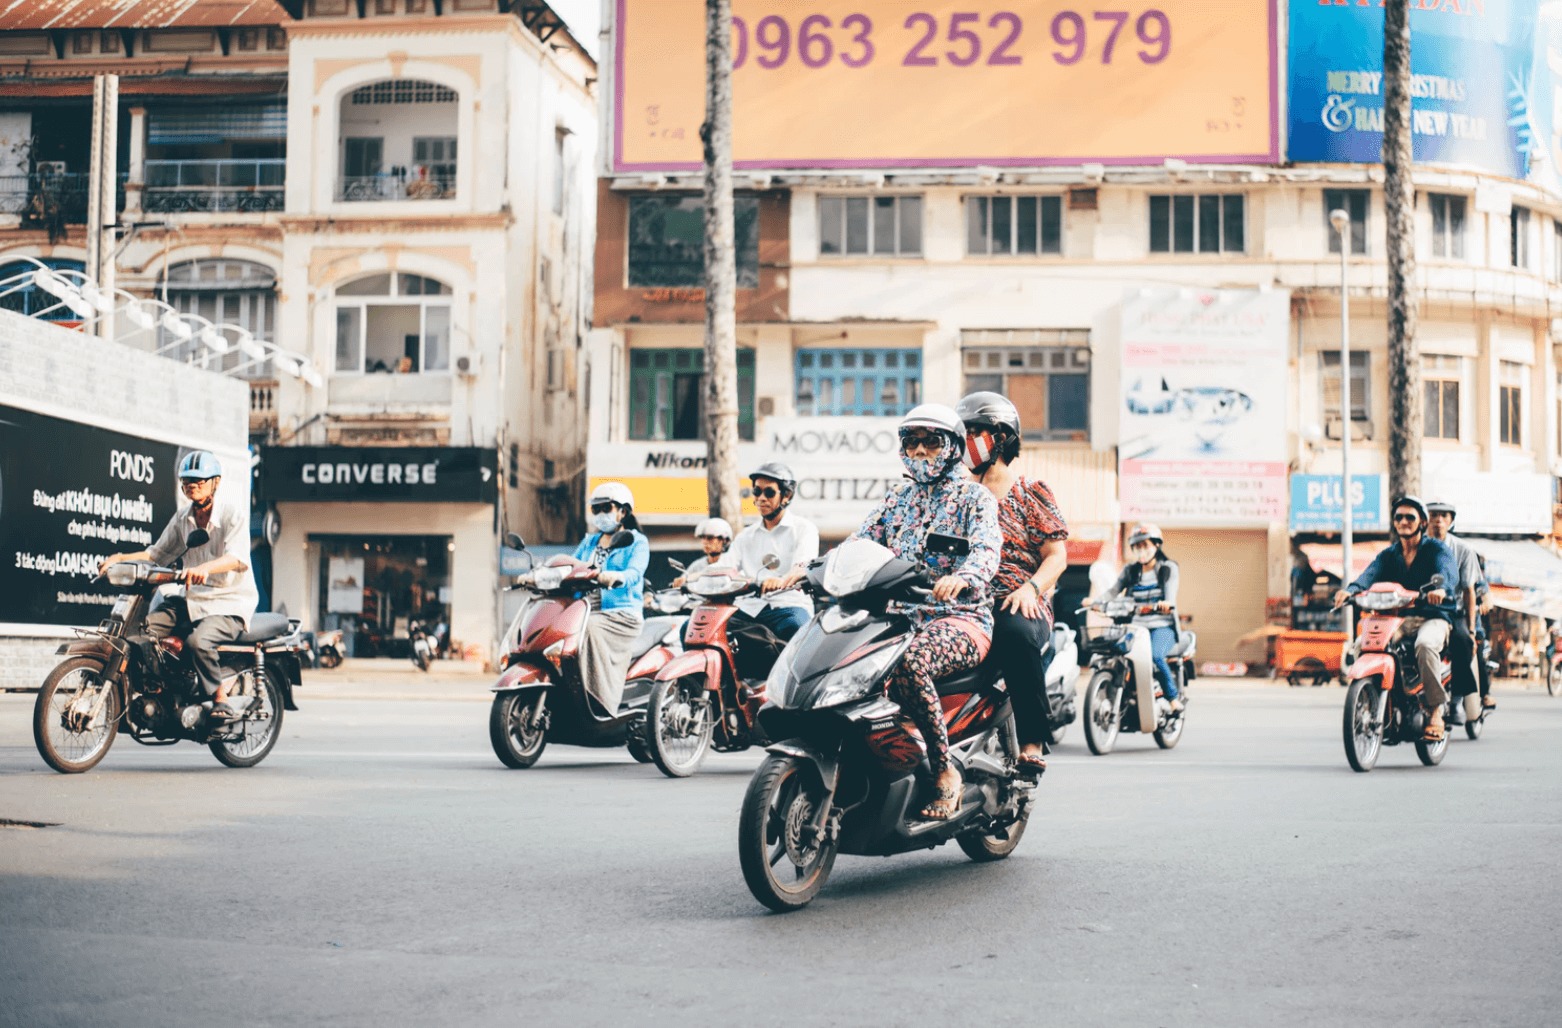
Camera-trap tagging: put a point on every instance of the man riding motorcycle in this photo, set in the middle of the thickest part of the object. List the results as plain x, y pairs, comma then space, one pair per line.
791, 539
1411, 561
220, 594
715, 537
1470, 595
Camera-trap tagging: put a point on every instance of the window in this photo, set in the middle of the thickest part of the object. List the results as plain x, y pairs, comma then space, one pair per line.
1440, 381
435, 157
1510, 404
1447, 226
1518, 237
559, 138
393, 322
1556, 250
363, 156
1014, 224
886, 383
31, 300
1050, 385
1354, 202
403, 91
230, 292
888, 226
667, 240
667, 393
1360, 393
1208, 223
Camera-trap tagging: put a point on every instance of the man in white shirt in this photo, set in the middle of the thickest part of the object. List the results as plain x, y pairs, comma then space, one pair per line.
791, 539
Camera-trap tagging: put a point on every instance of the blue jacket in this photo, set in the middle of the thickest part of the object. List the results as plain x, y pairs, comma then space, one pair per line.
1432, 558
631, 562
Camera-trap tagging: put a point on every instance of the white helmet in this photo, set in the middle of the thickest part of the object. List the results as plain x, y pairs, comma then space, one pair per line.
714, 528
617, 492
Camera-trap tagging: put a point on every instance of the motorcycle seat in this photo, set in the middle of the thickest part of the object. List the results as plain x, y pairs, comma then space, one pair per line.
263, 627
982, 677
652, 631
1183, 646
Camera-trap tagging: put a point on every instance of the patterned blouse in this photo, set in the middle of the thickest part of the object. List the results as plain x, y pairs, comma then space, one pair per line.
910, 511
1028, 517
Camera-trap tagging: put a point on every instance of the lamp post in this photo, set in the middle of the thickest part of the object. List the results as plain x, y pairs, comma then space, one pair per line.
1341, 222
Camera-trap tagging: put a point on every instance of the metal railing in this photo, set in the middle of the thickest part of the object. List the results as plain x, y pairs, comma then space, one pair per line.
396, 187
214, 184
42, 198
262, 403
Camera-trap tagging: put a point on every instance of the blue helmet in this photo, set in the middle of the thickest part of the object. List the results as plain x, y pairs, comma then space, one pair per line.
199, 465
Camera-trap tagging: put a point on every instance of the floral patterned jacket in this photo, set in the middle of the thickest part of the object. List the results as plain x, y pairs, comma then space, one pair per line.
953, 506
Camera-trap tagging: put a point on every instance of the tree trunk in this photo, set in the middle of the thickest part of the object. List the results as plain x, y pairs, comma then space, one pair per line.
1404, 360
721, 330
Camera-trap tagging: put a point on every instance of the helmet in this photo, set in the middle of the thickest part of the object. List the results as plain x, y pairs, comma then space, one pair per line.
1441, 507
994, 414
1145, 531
946, 422
778, 473
617, 492
714, 528
1413, 502
199, 465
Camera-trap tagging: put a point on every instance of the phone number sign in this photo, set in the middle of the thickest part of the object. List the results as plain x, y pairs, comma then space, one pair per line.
930, 83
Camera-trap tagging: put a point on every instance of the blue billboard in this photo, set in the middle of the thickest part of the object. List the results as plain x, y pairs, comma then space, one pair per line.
1318, 506
1480, 87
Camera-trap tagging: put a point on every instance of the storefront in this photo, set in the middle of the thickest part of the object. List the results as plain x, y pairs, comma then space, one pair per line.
373, 538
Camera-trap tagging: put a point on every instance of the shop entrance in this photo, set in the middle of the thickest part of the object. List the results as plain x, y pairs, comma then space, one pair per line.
373, 587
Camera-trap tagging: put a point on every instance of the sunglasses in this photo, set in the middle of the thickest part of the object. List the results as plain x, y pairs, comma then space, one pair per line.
768, 493
921, 441
602, 508
192, 483
1407, 517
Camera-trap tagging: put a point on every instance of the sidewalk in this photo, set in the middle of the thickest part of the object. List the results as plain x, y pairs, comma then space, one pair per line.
397, 680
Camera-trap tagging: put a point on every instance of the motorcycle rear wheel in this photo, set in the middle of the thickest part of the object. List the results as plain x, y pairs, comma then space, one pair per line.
1554, 680
69, 752
517, 742
1363, 734
253, 746
775, 827
679, 725
1170, 735
1102, 720
1473, 729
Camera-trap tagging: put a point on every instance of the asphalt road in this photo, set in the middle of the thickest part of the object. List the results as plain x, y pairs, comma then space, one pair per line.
382, 868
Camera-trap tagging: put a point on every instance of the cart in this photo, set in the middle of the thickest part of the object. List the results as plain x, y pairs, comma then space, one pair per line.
1307, 657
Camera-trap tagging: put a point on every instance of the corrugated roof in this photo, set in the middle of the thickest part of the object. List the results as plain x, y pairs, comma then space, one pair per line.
137, 14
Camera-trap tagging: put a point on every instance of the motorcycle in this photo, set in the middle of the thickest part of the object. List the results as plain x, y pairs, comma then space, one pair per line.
426, 645
541, 697
117, 675
849, 773
1554, 669
1469, 710
1062, 682
1383, 699
328, 649
1123, 693
702, 699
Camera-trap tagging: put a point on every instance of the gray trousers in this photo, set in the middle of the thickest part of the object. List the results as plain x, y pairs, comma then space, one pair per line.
605, 654
202, 638
1431, 637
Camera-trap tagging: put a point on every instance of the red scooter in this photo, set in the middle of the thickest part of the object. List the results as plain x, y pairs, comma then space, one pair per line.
541, 697
1383, 699
701, 699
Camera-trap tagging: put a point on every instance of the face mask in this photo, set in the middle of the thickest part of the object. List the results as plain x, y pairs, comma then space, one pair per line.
925, 469
605, 522
978, 450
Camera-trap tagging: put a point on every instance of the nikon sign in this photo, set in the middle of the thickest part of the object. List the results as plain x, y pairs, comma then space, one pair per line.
843, 465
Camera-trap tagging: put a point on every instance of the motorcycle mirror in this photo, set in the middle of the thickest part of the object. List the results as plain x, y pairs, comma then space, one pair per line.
514, 541
622, 539
199, 537
677, 565
771, 562
1437, 582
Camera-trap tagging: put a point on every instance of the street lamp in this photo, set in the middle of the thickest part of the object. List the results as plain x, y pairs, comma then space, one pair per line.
1341, 222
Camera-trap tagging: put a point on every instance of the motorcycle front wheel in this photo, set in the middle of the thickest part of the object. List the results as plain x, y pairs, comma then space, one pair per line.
1431, 753
70, 737
1472, 729
1362, 728
1554, 680
784, 861
513, 729
262, 722
1169, 734
1103, 720
679, 725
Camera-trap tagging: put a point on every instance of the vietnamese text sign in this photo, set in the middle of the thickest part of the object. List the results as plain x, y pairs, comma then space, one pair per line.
70, 495
1476, 81
948, 83
1317, 504
1202, 438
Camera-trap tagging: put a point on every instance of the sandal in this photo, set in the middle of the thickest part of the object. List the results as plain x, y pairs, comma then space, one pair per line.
1030, 763
946, 805
1487, 703
1433, 733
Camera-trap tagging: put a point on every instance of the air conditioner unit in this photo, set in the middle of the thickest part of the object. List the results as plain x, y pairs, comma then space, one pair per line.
1080, 199
468, 364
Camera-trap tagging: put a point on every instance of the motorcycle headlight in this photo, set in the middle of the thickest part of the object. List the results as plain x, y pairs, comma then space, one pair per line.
121, 575
857, 679
547, 579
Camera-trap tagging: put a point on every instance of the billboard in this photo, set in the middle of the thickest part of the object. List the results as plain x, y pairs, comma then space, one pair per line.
933, 83
1318, 503
428, 474
1203, 424
1480, 88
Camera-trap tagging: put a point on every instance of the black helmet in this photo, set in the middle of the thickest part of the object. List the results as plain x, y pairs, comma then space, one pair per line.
1413, 502
778, 473
989, 412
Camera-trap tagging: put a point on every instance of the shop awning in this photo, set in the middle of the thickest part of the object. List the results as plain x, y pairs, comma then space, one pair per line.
1328, 557
1525, 576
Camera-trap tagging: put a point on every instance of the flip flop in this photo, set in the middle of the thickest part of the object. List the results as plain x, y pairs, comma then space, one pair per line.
223, 712
944, 799
1433, 733
1030, 763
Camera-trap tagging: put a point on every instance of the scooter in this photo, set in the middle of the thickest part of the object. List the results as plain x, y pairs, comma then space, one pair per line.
1062, 681
1123, 693
540, 696
700, 700
1383, 699
850, 774
423, 645
328, 649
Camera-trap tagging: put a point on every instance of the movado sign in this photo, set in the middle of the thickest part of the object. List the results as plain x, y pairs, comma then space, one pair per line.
400, 473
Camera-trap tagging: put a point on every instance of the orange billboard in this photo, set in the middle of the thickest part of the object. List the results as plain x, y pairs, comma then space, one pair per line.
951, 83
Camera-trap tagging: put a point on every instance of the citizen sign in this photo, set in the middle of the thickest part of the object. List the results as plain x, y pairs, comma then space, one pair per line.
343, 473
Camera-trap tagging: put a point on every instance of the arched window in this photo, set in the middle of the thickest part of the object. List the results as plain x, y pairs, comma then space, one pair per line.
398, 141
221, 290
32, 300
393, 322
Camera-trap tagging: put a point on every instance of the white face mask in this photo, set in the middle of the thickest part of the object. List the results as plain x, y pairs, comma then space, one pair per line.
605, 522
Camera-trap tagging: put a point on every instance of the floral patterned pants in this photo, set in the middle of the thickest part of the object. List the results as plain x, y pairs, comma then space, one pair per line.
941, 649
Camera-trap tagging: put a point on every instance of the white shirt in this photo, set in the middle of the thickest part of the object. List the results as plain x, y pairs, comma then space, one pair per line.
232, 592
794, 542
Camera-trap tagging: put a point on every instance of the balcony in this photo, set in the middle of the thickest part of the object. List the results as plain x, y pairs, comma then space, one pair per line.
214, 185
262, 406
386, 187
416, 394
43, 199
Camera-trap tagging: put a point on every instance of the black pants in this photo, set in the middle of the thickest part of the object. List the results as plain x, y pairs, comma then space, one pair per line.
1023, 648
1461, 658
201, 638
